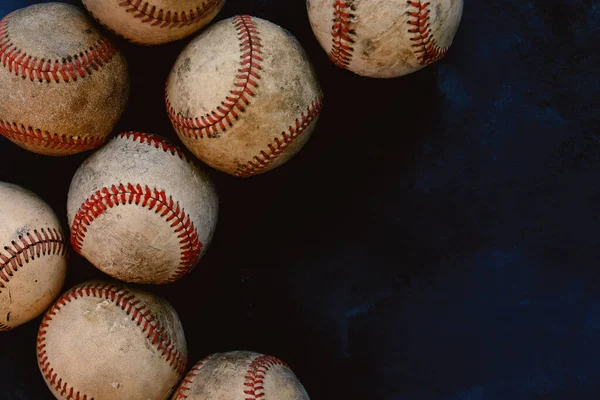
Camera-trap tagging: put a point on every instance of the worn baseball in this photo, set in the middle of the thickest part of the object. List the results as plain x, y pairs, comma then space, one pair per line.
384, 38
250, 102
154, 21
33, 258
140, 211
63, 85
106, 341
240, 375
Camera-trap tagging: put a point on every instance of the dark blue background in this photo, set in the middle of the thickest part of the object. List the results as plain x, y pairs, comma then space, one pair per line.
436, 239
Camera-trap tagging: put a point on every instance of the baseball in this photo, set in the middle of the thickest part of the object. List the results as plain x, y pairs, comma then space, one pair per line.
63, 85
243, 96
155, 21
33, 259
240, 375
140, 211
384, 38
107, 341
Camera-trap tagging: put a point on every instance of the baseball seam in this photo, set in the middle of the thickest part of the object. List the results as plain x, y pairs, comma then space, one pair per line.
150, 14
128, 303
342, 33
27, 134
184, 388
238, 99
152, 199
66, 69
155, 141
425, 47
274, 149
28, 247
158, 143
255, 376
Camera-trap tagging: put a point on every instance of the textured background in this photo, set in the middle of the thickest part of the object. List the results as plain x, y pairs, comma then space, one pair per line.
436, 239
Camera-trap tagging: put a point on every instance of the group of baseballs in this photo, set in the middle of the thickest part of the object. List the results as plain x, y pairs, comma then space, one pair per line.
243, 98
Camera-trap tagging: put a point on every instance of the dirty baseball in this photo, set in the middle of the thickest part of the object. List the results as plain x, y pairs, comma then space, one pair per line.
384, 38
241, 375
33, 260
63, 84
155, 21
107, 341
251, 104
140, 211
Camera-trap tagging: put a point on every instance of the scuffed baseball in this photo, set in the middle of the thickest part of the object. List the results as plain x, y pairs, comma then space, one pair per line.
140, 211
243, 96
384, 38
240, 375
33, 259
154, 21
63, 85
107, 341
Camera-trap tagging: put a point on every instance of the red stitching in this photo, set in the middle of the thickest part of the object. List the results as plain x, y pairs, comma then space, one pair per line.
152, 199
342, 33
36, 243
425, 46
154, 16
262, 160
156, 141
239, 98
256, 373
185, 386
21, 133
67, 69
128, 303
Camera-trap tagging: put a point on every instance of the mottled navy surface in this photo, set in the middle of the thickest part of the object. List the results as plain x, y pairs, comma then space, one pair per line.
436, 239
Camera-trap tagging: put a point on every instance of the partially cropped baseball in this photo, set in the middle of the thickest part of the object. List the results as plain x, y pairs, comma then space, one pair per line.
33, 259
63, 84
154, 21
106, 341
384, 38
240, 375
243, 96
140, 211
